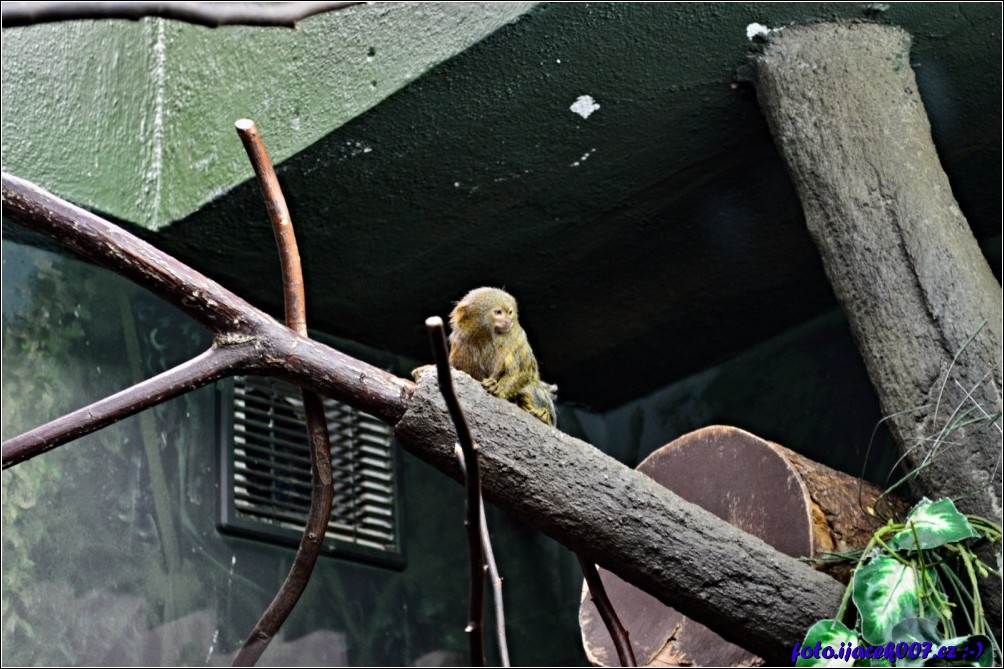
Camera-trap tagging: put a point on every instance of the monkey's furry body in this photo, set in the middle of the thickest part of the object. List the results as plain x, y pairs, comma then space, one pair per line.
487, 342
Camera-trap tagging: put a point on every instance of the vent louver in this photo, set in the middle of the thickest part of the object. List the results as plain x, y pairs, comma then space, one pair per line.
266, 472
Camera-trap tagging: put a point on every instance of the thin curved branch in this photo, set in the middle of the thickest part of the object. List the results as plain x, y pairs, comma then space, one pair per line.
310, 543
214, 364
472, 479
619, 635
208, 14
282, 226
322, 492
494, 577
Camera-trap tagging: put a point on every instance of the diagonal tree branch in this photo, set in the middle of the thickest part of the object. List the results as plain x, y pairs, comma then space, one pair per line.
92, 237
622, 520
214, 364
209, 14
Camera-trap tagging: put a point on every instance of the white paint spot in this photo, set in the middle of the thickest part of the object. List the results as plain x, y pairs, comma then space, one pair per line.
584, 106
759, 30
558, 61
584, 158
456, 184
356, 148
295, 123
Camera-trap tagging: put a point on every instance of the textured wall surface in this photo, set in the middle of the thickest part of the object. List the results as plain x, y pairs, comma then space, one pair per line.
136, 119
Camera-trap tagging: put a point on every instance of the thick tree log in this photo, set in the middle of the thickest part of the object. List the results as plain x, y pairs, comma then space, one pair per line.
798, 506
618, 518
923, 305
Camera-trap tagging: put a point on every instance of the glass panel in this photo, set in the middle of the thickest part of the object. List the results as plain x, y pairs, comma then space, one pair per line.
111, 555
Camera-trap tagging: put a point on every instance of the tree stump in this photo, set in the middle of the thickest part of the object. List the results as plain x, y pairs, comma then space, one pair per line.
798, 506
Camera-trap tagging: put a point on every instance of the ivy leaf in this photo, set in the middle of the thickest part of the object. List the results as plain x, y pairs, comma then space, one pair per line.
885, 593
829, 634
935, 524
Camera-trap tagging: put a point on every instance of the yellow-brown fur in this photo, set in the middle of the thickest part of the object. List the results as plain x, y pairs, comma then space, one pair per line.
487, 342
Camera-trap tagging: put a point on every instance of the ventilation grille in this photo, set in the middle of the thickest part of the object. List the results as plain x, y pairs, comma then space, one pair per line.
266, 465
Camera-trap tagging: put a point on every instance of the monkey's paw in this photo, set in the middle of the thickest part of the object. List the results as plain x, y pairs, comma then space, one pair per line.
417, 373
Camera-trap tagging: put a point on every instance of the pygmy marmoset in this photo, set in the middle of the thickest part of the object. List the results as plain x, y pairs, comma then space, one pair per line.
487, 342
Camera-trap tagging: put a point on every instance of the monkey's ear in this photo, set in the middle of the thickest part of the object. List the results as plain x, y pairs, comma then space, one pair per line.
459, 313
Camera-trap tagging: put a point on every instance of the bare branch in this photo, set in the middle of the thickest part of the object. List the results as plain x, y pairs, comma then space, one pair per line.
622, 520
212, 365
322, 492
625, 653
282, 226
614, 516
209, 14
472, 479
310, 543
494, 577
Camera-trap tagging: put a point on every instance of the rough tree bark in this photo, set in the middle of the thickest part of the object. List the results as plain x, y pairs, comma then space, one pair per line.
624, 521
842, 103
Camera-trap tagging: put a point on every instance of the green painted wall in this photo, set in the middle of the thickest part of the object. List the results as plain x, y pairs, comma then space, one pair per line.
136, 119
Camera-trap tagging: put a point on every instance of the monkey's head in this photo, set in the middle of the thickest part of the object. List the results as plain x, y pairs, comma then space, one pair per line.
485, 311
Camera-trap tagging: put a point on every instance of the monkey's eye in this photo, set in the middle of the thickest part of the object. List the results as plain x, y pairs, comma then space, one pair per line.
498, 312
510, 312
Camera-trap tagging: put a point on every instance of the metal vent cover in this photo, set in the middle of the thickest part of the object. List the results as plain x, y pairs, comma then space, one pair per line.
265, 467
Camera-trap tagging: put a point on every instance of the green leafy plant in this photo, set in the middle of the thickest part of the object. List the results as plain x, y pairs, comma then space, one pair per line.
916, 596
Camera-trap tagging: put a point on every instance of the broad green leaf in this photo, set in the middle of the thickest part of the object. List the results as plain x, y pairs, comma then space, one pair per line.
921, 631
935, 524
831, 634
917, 629
970, 651
885, 593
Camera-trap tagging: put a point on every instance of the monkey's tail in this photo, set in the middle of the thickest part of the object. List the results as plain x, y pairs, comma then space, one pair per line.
542, 396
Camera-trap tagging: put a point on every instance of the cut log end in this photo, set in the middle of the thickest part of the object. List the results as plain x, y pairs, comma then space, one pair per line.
798, 506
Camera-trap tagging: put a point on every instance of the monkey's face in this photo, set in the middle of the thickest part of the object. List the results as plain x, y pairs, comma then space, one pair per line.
502, 318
